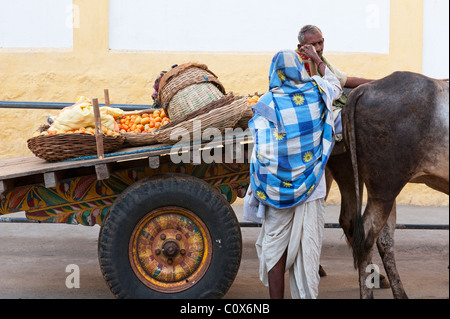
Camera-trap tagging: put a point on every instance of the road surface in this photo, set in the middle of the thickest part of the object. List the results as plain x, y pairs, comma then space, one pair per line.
37, 260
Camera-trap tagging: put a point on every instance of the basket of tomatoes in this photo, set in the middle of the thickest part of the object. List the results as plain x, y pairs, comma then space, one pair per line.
140, 127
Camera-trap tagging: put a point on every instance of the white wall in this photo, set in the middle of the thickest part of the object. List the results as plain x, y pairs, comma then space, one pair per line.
232, 25
247, 25
436, 38
36, 23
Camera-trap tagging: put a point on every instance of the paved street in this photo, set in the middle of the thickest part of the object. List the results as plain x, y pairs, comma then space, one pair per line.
34, 259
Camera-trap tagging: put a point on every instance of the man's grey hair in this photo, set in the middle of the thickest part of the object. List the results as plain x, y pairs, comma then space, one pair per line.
307, 29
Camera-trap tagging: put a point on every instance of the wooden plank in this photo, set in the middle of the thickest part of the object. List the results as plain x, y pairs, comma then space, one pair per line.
103, 171
5, 186
98, 129
31, 165
107, 103
153, 161
51, 179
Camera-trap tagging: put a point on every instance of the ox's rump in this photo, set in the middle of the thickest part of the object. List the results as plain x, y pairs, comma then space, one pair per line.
401, 132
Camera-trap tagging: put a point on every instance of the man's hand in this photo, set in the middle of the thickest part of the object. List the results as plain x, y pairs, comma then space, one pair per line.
311, 52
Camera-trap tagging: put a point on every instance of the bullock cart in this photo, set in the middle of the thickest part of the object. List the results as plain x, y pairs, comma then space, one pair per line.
167, 229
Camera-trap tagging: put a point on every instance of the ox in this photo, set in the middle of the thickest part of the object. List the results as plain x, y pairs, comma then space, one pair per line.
396, 131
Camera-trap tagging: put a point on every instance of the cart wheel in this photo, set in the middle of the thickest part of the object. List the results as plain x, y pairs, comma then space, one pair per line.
172, 236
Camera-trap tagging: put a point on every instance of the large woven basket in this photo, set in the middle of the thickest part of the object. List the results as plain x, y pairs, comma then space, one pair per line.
246, 116
140, 139
192, 98
220, 117
224, 100
66, 146
187, 88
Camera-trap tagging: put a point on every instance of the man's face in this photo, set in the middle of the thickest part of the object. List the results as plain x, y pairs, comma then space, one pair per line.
316, 40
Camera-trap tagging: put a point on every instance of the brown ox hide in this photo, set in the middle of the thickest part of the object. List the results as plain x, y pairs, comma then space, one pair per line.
396, 131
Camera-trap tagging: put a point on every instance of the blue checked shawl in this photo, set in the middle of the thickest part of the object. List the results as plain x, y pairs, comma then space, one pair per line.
293, 134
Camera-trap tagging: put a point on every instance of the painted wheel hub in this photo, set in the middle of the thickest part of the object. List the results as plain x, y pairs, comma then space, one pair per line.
170, 249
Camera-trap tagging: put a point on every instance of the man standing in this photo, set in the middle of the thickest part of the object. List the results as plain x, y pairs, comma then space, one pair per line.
311, 36
293, 135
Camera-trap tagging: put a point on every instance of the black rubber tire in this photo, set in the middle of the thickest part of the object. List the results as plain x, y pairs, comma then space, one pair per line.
170, 190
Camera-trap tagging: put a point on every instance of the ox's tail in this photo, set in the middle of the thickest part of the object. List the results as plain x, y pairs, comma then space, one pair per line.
348, 119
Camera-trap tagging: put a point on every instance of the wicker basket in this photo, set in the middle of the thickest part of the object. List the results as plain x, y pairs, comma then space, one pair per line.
246, 116
221, 117
65, 146
139, 139
151, 110
225, 100
192, 98
188, 87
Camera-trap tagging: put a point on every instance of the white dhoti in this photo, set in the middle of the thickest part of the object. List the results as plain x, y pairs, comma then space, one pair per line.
299, 230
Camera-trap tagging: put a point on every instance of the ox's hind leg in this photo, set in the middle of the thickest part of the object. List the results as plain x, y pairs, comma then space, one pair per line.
374, 220
385, 244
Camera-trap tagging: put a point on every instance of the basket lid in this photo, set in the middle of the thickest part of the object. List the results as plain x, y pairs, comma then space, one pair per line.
183, 76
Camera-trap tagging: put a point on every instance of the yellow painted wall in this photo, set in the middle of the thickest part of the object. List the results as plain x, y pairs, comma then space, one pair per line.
62, 75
